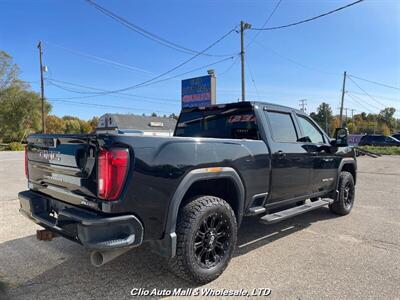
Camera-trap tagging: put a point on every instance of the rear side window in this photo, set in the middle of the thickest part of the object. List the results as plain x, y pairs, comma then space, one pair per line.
310, 130
282, 127
224, 123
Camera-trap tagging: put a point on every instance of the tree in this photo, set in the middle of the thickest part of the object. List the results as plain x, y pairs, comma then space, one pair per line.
323, 116
93, 123
55, 124
173, 116
20, 109
384, 129
333, 124
72, 125
386, 116
9, 71
153, 114
20, 113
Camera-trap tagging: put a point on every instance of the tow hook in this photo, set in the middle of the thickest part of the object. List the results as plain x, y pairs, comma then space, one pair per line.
45, 235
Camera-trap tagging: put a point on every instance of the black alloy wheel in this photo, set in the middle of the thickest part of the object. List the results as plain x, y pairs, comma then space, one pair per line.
206, 238
212, 240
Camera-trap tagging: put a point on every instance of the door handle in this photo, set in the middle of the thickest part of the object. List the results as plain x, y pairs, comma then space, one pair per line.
327, 159
281, 153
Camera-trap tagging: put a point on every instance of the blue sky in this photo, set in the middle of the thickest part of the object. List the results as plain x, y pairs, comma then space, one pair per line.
301, 62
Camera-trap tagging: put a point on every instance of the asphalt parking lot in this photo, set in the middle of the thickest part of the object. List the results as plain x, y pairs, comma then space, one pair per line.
316, 255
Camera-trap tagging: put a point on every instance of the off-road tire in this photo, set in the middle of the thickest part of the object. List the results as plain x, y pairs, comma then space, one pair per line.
345, 201
187, 263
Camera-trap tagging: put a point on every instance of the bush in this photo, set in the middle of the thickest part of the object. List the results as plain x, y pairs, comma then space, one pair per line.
382, 150
15, 146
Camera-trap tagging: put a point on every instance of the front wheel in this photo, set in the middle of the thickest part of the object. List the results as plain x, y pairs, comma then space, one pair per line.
206, 237
344, 203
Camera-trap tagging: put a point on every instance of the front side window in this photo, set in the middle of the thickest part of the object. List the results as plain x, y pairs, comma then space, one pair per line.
282, 127
310, 130
389, 139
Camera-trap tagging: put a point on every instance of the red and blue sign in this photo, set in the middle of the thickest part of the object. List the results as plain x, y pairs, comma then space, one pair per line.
197, 91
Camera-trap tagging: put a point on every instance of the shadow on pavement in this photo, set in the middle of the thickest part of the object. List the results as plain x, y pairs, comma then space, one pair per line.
72, 276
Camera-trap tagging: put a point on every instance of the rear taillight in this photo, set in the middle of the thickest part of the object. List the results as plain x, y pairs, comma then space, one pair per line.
26, 162
111, 172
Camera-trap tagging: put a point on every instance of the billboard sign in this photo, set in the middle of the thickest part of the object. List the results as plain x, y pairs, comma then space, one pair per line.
199, 91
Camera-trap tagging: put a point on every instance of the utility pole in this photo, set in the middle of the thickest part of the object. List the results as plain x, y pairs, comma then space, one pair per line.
341, 103
42, 86
352, 114
243, 27
346, 109
303, 105
326, 121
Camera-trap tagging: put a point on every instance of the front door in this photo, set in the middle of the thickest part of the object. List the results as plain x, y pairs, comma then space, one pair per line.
291, 164
325, 163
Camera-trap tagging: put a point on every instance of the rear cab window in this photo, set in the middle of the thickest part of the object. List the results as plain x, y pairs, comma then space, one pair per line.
282, 127
219, 122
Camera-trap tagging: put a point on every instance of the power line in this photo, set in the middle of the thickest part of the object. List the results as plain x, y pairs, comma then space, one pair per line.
252, 79
266, 22
154, 79
148, 34
128, 97
359, 101
103, 90
365, 92
379, 96
309, 19
296, 62
100, 59
375, 82
106, 92
235, 61
109, 106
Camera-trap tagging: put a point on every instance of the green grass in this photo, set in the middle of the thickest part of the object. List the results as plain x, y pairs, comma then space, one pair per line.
3, 287
382, 150
14, 146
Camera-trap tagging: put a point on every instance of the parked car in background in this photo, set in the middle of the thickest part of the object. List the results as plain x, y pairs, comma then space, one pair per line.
396, 136
378, 140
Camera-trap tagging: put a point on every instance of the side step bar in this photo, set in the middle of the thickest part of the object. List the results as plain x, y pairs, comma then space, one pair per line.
291, 212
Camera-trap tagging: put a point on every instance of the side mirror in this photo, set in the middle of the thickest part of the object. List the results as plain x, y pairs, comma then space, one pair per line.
341, 135
304, 139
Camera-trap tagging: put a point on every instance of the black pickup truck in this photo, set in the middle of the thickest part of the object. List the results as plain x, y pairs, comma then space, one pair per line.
186, 195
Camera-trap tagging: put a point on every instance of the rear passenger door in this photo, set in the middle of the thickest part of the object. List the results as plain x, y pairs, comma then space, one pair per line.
290, 163
324, 163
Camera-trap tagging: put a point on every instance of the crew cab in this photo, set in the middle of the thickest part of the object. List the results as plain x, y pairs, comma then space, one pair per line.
186, 195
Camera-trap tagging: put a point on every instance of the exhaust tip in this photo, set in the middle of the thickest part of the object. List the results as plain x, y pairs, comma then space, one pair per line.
99, 258
96, 258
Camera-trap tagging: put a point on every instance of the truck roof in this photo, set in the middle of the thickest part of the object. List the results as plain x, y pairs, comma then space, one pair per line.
244, 104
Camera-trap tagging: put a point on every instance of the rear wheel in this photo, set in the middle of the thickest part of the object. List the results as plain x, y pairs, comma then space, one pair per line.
206, 238
344, 203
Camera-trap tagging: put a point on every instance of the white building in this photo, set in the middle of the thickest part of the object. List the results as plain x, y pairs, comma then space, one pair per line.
135, 124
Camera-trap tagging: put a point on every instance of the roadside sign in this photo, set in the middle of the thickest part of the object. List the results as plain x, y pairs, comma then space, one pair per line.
198, 91
354, 139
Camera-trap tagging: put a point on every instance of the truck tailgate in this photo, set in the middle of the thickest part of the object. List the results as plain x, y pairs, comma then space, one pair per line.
63, 166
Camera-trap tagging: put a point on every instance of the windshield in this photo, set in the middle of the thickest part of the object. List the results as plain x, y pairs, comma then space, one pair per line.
231, 123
